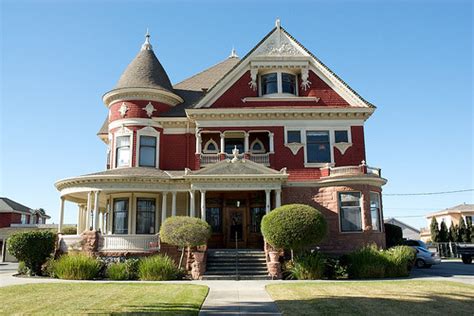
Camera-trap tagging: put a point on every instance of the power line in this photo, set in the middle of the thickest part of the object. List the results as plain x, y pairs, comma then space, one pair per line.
428, 193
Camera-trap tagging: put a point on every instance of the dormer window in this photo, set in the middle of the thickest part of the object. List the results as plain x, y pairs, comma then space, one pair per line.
278, 84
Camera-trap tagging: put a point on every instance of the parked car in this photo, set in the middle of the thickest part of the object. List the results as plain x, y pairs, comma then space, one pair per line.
424, 257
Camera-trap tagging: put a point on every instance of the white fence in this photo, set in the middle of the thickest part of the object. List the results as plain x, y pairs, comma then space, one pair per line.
261, 158
207, 159
132, 243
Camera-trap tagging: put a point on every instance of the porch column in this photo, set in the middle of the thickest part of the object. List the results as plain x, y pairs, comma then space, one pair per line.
88, 211
173, 203
198, 143
271, 142
164, 202
96, 210
278, 198
222, 143
79, 218
203, 205
246, 143
61, 215
267, 201
192, 204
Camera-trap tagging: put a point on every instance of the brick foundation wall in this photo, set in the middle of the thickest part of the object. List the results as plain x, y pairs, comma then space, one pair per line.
326, 200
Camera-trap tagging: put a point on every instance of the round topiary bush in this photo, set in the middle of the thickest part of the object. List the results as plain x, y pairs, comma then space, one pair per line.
185, 231
33, 248
294, 226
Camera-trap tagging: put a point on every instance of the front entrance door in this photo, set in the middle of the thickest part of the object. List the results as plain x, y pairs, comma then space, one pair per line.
236, 227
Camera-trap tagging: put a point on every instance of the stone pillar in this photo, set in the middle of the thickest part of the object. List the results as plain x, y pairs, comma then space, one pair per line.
198, 143
192, 204
271, 142
267, 201
61, 215
88, 211
222, 143
173, 203
203, 205
164, 206
96, 210
277, 198
246, 143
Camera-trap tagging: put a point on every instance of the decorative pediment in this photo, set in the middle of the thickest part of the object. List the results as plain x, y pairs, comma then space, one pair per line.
294, 147
236, 167
279, 44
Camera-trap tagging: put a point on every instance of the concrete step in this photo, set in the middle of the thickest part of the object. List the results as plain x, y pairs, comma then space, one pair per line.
234, 277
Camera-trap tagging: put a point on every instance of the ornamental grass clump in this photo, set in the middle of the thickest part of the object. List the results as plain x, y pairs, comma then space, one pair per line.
117, 271
367, 262
310, 266
157, 268
400, 260
76, 267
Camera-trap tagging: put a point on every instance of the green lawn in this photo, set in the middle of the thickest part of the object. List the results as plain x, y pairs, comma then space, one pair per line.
102, 298
370, 298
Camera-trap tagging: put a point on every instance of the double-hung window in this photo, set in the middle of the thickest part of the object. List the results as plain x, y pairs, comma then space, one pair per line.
122, 152
350, 211
147, 151
293, 137
318, 149
375, 210
145, 216
120, 217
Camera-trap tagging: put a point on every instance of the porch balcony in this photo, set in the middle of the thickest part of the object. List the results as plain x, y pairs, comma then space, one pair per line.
113, 243
345, 171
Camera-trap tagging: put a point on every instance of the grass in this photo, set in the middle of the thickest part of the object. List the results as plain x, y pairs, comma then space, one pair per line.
102, 298
370, 298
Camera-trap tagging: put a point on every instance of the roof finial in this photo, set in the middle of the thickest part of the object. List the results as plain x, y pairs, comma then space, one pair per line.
233, 53
147, 45
277, 23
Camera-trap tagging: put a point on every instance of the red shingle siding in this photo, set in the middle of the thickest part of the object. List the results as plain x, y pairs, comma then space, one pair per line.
173, 153
135, 109
354, 154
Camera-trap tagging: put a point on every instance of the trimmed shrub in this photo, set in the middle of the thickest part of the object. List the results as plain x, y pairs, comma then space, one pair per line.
157, 268
310, 266
185, 231
69, 230
400, 260
393, 235
76, 267
294, 226
22, 269
367, 262
33, 248
118, 271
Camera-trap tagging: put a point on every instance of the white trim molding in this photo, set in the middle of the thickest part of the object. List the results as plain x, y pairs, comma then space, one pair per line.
148, 131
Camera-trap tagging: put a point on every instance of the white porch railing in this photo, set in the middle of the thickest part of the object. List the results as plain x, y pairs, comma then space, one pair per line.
132, 243
70, 242
354, 170
261, 158
374, 171
231, 156
207, 159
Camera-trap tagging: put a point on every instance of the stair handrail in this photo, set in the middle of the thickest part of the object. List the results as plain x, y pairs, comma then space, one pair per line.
236, 257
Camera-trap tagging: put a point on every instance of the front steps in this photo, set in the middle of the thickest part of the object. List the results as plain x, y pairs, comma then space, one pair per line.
231, 264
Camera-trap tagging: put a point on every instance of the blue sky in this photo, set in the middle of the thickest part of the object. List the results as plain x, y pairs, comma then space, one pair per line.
413, 59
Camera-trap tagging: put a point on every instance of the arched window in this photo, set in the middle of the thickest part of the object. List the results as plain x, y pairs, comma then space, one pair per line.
257, 147
211, 147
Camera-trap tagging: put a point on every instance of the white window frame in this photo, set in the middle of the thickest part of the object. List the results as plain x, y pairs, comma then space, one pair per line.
339, 212
206, 145
261, 151
294, 130
279, 94
148, 131
379, 212
122, 132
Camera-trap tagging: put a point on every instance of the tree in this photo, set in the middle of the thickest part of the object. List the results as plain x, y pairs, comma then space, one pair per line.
468, 232
33, 248
185, 232
294, 226
463, 233
453, 232
443, 232
434, 230
393, 235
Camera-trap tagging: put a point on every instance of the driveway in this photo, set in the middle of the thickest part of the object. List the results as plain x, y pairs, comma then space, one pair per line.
452, 270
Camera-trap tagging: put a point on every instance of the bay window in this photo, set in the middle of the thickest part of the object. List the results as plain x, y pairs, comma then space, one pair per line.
278, 83
318, 149
120, 216
269, 83
145, 216
375, 210
350, 211
288, 83
147, 152
122, 151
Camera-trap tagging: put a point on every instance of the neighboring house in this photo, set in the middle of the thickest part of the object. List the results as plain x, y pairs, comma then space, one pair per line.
17, 217
408, 231
228, 145
448, 216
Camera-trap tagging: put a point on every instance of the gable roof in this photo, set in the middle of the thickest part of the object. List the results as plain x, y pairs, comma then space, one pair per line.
396, 222
7, 205
294, 46
236, 168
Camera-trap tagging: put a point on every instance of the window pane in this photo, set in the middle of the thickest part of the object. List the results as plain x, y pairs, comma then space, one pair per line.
148, 141
123, 141
317, 146
123, 156
120, 216
147, 156
231, 143
288, 83
375, 210
269, 84
293, 137
256, 214
211, 147
351, 217
145, 216
214, 218
341, 137
257, 147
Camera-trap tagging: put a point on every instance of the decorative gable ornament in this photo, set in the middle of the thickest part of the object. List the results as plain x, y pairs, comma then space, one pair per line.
342, 147
253, 77
123, 109
305, 83
294, 147
279, 44
149, 108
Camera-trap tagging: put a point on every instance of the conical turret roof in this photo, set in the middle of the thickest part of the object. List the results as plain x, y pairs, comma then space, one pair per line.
145, 71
